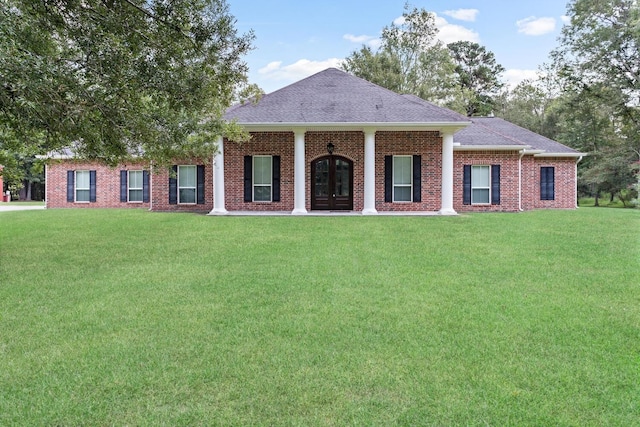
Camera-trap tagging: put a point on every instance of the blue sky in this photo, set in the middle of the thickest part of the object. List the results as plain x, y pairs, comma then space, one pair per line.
297, 38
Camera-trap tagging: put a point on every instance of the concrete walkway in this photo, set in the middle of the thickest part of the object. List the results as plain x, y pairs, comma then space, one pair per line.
13, 206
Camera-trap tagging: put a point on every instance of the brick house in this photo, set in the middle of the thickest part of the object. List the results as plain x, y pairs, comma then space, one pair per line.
334, 142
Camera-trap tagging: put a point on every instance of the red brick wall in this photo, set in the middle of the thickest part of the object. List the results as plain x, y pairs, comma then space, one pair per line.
426, 144
508, 161
160, 188
107, 184
565, 183
261, 143
347, 144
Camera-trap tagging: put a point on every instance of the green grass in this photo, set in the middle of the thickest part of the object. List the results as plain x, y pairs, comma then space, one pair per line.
124, 317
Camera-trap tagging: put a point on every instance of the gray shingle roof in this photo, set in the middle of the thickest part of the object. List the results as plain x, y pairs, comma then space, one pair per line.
334, 96
497, 131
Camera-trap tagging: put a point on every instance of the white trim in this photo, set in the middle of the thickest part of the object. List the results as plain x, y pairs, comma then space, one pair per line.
299, 174
354, 126
568, 155
141, 186
488, 187
446, 197
195, 187
393, 179
218, 181
76, 188
490, 147
253, 178
369, 207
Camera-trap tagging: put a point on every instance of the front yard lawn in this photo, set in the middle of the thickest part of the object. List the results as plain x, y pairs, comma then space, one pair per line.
125, 317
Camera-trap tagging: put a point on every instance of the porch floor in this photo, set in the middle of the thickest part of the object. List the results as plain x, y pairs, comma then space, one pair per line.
325, 213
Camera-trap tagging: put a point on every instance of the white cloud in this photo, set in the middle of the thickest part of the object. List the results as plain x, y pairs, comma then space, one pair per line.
371, 41
450, 33
514, 76
296, 71
533, 26
463, 14
565, 19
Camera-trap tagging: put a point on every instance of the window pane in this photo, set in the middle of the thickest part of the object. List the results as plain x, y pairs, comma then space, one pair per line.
261, 170
82, 180
187, 176
401, 194
480, 196
135, 195
480, 176
135, 179
262, 193
82, 195
342, 178
401, 170
187, 195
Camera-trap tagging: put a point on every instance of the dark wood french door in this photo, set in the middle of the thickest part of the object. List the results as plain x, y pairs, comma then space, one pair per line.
332, 183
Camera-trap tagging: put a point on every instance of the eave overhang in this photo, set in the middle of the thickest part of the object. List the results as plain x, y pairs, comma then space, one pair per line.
342, 126
568, 155
489, 147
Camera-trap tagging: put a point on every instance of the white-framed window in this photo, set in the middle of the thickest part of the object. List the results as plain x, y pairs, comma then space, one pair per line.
402, 178
480, 184
83, 185
134, 186
187, 179
262, 178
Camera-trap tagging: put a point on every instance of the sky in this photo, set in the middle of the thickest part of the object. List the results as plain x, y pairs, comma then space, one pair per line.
297, 38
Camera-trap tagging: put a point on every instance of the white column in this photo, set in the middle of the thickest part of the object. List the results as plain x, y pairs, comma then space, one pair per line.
446, 207
218, 181
299, 176
369, 172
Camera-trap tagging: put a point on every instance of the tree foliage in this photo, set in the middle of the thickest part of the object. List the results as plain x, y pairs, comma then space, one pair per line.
410, 59
115, 78
477, 75
599, 67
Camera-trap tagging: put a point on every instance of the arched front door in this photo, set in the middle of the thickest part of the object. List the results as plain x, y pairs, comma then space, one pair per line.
332, 183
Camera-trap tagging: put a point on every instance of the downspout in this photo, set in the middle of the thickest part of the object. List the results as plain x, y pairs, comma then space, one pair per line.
46, 193
520, 180
150, 187
576, 188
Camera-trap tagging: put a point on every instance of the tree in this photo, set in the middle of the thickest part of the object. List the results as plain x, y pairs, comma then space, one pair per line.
599, 67
477, 75
410, 59
115, 78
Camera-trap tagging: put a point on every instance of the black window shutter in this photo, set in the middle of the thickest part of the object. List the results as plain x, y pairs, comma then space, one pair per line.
92, 186
248, 166
275, 165
547, 183
200, 185
173, 186
145, 186
466, 185
388, 179
70, 186
495, 184
417, 178
123, 186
